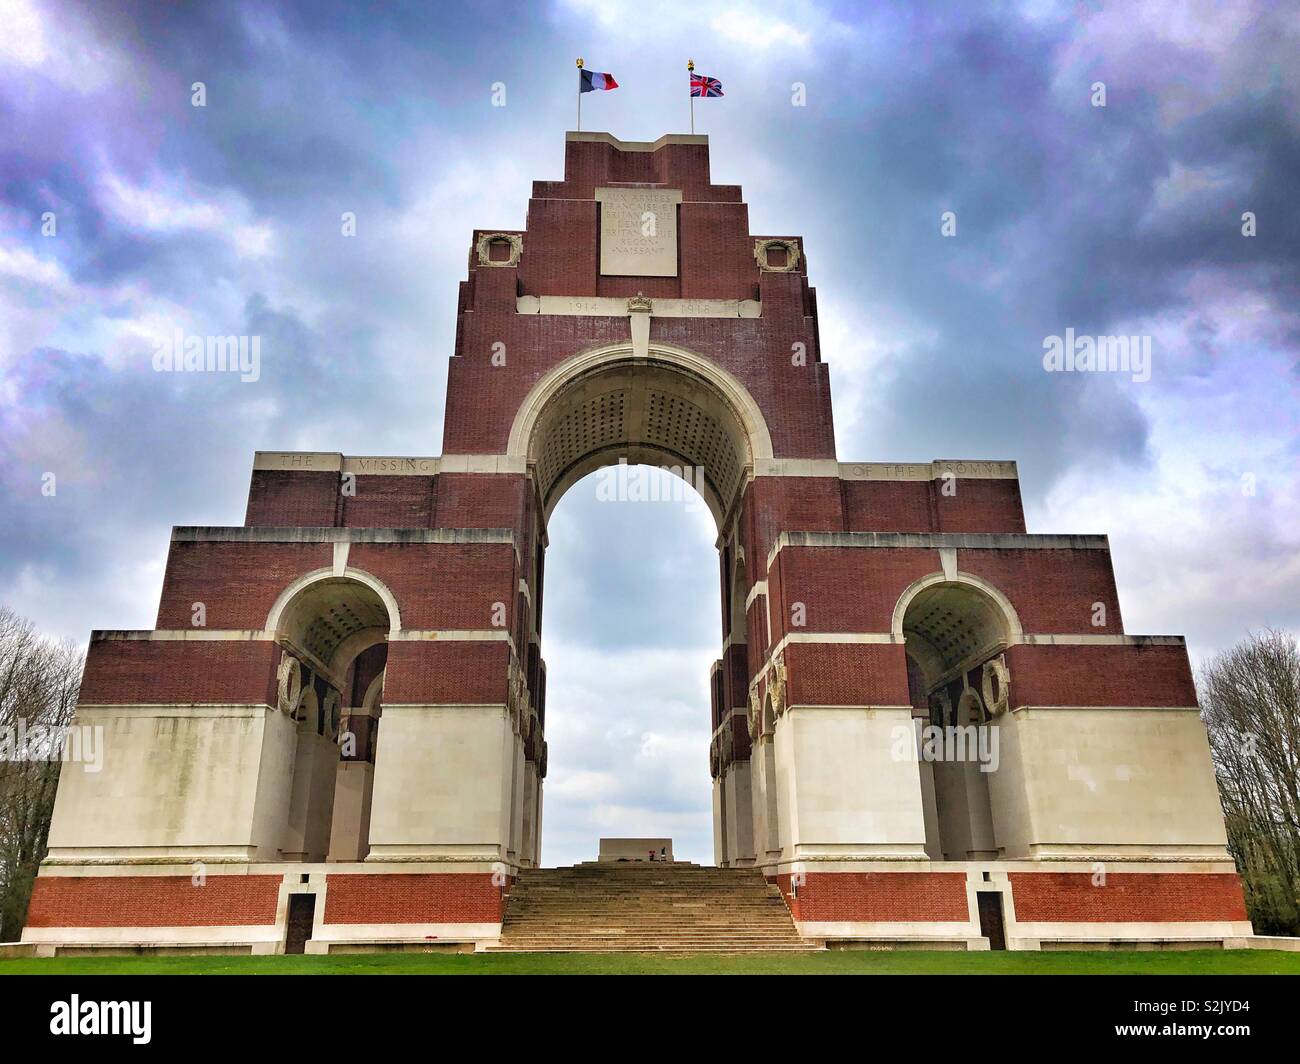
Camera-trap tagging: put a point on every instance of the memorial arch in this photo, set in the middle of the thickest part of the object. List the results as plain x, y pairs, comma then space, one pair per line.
401, 597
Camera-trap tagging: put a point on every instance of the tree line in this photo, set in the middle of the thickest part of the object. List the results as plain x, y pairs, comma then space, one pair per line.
39, 678
1250, 702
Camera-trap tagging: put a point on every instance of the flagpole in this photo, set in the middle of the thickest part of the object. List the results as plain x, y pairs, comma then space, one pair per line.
690, 66
579, 94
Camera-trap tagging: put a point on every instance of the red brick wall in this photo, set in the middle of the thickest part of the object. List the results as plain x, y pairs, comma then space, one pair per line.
920, 506
152, 901
735, 674
443, 585
846, 674
237, 583
879, 896
482, 500
1127, 897
980, 506
1103, 675
398, 501
444, 672
439, 898
545, 269
129, 671
1051, 590
782, 504
888, 506
846, 589
292, 498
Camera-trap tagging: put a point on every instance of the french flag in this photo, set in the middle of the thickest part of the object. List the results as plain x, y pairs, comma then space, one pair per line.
590, 81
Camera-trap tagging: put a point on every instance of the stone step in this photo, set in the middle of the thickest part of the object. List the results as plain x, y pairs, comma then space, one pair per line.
658, 939
646, 909
658, 929
801, 947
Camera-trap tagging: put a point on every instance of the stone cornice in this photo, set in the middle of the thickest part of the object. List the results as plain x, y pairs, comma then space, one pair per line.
938, 541
329, 534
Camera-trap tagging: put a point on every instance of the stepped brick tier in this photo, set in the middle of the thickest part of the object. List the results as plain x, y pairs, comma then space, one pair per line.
335, 736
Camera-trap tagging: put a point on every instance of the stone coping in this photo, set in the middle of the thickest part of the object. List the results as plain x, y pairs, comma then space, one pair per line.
332, 534
432, 465
939, 541
593, 137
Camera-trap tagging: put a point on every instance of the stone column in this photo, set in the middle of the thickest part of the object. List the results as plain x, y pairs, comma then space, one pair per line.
537, 831
738, 800
528, 845
311, 805
442, 783
929, 804
719, 823
353, 791
516, 846
844, 788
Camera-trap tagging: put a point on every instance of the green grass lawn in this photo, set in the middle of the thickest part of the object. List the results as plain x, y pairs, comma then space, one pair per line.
890, 962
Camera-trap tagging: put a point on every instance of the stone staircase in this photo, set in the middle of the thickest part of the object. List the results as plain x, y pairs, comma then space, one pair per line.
627, 907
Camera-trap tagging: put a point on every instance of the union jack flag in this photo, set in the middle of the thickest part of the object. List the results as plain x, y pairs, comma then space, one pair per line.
703, 85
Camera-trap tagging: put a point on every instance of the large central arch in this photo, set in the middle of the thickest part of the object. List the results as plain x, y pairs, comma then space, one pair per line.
672, 408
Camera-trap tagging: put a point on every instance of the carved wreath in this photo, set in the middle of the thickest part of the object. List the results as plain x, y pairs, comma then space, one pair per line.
517, 697
288, 684
755, 714
776, 685
484, 248
996, 685
332, 714
791, 255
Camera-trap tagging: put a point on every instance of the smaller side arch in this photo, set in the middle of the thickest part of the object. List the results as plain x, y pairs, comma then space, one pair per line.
316, 576
1015, 631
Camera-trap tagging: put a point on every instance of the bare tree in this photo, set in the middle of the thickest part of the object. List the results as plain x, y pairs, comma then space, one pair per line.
38, 692
1250, 699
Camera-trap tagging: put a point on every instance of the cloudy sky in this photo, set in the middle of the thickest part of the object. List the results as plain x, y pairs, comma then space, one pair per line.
1123, 219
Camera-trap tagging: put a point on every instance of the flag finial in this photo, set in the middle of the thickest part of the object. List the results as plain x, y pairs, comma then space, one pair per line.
579, 62
690, 64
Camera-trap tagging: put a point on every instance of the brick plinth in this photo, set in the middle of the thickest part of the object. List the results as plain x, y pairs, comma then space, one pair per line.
878, 897
397, 898
153, 901
1127, 897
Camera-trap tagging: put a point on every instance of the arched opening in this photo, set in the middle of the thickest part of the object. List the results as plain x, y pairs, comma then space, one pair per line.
631, 632
333, 632
952, 631
677, 431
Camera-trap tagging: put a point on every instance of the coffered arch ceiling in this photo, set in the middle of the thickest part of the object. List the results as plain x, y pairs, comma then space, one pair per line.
951, 624
645, 411
331, 620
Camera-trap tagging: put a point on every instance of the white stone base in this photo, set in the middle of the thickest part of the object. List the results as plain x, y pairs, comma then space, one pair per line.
329, 938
